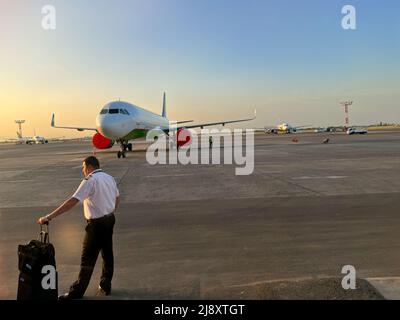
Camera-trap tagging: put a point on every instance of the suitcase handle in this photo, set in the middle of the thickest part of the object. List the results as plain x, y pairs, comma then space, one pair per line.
44, 234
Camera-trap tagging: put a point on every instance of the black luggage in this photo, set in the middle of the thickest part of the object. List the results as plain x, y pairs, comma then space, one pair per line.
37, 266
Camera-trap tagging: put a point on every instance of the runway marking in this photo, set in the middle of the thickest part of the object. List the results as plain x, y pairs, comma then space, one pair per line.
75, 159
37, 180
297, 185
259, 164
11, 173
316, 177
14, 181
73, 153
272, 152
170, 175
276, 281
271, 172
384, 278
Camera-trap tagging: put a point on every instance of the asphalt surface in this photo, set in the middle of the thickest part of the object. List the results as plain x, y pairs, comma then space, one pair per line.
199, 231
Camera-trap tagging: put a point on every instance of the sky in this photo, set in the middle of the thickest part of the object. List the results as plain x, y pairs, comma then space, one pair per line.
216, 59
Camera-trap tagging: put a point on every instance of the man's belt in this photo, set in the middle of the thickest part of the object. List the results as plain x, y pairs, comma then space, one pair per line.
102, 218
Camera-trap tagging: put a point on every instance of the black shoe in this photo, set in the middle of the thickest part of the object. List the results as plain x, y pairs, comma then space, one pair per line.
102, 292
69, 296
65, 296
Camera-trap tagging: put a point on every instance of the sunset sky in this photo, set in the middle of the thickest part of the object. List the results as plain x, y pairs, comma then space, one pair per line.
217, 60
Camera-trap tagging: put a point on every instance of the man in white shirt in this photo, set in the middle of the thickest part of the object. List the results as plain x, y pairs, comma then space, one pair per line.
100, 197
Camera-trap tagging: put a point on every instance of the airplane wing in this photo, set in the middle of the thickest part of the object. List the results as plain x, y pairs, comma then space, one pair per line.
202, 125
181, 122
302, 128
73, 128
9, 140
15, 140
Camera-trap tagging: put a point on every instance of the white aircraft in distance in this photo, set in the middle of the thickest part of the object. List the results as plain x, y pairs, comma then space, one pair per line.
29, 140
37, 140
121, 122
284, 128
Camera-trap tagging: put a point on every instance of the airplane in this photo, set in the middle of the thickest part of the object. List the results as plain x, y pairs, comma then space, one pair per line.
27, 140
284, 128
37, 140
120, 122
31, 140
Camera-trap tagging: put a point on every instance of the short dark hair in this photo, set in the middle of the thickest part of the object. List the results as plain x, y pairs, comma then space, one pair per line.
92, 161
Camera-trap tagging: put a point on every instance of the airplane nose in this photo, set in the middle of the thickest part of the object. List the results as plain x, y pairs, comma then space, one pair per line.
105, 129
110, 128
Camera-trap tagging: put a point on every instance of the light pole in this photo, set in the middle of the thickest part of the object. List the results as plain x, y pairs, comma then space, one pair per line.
346, 105
19, 123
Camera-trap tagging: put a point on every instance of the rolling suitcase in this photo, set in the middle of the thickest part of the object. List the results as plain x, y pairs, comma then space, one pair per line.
37, 266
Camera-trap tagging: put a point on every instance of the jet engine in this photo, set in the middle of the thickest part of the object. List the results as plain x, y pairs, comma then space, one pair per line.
101, 142
183, 137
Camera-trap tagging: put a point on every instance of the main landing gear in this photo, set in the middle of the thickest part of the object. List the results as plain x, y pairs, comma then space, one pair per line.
124, 147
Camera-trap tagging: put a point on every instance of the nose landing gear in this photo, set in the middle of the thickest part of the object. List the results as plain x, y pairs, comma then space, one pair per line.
124, 148
121, 154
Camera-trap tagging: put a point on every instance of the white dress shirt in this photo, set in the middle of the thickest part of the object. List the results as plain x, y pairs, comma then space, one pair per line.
98, 192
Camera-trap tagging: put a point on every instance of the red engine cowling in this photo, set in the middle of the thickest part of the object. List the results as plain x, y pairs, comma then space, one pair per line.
183, 137
101, 142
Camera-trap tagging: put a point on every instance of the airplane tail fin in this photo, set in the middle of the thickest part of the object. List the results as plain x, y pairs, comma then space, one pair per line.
164, 107
52, 120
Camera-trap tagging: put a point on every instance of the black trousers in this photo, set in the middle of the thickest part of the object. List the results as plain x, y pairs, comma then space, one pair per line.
98, 238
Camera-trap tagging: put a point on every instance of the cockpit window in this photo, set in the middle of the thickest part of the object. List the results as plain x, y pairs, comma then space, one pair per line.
115, 111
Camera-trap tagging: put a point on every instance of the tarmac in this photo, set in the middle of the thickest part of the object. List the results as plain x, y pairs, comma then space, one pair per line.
201, 232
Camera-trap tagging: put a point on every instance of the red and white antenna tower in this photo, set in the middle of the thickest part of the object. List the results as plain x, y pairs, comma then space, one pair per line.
346, 105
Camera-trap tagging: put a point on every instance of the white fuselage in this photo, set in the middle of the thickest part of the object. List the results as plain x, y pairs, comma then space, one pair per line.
33, 140
38, 139
286, 127
118, 119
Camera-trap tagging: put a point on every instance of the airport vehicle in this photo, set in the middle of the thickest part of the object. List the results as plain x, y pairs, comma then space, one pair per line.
352, 131
121, 122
